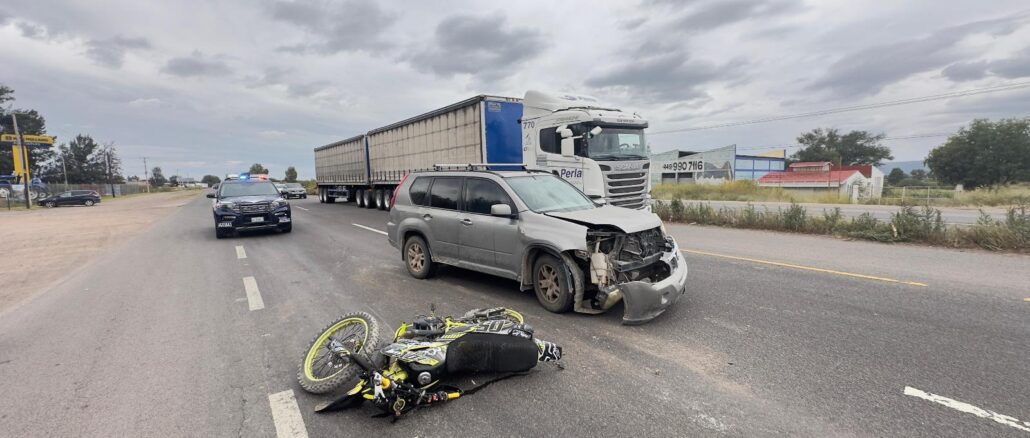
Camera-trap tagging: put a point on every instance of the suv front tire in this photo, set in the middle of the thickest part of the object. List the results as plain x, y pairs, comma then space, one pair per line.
551, 284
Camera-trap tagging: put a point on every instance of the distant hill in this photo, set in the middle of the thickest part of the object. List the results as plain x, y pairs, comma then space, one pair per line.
906, 166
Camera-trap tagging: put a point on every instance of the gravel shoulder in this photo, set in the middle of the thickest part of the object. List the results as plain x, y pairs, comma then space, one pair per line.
42, 247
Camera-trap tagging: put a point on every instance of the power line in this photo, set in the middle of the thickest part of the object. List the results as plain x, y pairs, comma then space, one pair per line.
970, 92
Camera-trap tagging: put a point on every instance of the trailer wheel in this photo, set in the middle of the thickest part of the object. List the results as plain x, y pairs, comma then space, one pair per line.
366, 199
321, 195
379, 199
359, 198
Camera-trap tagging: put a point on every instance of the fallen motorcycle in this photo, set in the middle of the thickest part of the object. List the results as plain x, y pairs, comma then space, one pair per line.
406, 374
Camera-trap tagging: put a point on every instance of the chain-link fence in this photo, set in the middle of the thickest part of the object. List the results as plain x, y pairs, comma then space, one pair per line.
14, 192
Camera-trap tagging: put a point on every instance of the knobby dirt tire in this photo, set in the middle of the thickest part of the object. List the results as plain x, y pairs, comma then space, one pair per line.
348, 372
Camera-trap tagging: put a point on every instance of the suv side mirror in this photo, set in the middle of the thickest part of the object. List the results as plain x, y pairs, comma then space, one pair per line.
599, 201
211, 195
501, 210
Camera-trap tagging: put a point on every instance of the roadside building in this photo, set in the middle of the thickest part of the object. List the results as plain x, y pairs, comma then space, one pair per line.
821, 177
714, 166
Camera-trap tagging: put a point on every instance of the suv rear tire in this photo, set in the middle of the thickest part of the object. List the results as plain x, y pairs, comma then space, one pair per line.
417, 258
551, 284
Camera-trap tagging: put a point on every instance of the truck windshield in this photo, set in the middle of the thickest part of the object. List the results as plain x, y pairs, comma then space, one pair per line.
544, 193
247, 189
616, 144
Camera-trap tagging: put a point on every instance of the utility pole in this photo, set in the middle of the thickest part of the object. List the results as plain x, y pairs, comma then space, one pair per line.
146, 173
107, 156
25, 159
64, 167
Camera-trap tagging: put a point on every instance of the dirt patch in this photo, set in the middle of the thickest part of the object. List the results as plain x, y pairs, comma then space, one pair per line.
44, 246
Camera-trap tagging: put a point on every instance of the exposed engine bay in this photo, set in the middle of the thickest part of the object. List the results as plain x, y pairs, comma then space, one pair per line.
629, 267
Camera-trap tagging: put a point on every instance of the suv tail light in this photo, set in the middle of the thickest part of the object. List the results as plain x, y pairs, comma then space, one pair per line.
393, 198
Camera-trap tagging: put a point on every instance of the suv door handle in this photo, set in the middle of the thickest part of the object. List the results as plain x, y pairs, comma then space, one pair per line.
466, 221
427, 216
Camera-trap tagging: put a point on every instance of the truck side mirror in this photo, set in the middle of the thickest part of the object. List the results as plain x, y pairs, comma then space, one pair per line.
595, 131
568, 147
501, 210
564, 131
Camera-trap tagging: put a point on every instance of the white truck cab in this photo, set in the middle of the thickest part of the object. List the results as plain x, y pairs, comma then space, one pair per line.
601, 150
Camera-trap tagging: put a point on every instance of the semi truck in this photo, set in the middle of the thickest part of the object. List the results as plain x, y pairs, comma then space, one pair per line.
599, 149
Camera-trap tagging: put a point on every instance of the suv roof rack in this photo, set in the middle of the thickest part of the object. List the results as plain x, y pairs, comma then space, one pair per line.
476, 166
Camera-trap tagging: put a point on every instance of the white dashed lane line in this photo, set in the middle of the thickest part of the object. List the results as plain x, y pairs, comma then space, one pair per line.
370, 229
302, 208
969, 409
286, 415
240, 252
253, 294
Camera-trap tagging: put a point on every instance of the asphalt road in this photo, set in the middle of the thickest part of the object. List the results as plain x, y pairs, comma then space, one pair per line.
950, 215
156, 338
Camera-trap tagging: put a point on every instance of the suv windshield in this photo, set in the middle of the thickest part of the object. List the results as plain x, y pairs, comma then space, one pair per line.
247, 189
294, 186
544, 193
617, 144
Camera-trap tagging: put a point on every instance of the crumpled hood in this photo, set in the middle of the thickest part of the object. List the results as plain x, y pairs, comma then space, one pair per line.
625, 219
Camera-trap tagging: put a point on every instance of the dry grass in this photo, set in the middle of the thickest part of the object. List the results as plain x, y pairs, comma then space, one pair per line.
910, 224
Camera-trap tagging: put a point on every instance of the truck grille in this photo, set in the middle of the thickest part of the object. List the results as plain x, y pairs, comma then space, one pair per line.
626, 189
254, 208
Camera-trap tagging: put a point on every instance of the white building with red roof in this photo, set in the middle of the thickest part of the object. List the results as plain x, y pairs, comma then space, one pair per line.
853, 182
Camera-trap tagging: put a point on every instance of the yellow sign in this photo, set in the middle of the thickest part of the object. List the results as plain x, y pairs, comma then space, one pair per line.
27, 139
781, 153
19, 162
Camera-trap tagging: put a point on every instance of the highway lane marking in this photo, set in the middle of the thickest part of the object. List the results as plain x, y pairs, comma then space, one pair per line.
302, 208
969, 409
240, 252
370, 229
806, 268
286, 415
253, 294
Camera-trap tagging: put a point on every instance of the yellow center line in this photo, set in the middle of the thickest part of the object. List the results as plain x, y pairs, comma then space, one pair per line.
807, 268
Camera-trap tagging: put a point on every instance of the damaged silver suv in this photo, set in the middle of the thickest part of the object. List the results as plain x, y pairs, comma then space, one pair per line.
538, 229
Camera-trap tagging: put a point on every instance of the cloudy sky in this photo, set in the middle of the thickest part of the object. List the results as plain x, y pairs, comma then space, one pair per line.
212, 86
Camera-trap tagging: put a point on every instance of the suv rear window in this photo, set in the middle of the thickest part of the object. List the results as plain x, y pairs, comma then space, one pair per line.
481, 193
417, 191
444, 193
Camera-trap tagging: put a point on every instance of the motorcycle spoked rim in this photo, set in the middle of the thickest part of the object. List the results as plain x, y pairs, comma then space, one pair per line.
323, 339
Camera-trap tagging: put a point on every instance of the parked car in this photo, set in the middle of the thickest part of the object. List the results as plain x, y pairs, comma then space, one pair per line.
88, 198
536, 228
249, 204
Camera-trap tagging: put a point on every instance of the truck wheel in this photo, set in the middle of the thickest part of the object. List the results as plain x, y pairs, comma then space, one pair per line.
418, 259
379, 200
359, 198
321, 195
366, 199
551, 284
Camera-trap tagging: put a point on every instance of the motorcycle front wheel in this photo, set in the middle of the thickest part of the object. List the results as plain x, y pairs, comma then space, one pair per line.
323, 371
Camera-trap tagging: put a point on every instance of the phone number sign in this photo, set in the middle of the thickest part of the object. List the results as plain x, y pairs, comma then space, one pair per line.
684, 166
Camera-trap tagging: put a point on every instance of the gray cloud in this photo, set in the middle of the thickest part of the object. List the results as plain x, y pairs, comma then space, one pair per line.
32, 30
196, 65
965, 71
1015, 67
111, 52
335, 26
668, 75
721, 13
484, 46
867, 71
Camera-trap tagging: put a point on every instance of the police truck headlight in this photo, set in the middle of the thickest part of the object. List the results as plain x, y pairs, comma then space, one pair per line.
279, 204
227, 206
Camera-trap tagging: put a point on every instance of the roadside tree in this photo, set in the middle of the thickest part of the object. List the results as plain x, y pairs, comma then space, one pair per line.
855, 147
919, 174
258, 169
291, 174
210, 180
895, 176
157, 178
984, 154
29, 122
